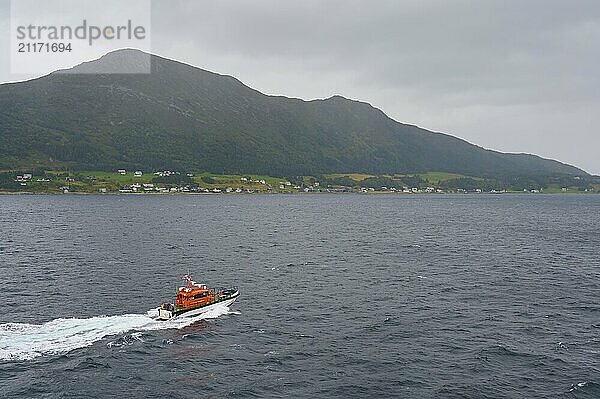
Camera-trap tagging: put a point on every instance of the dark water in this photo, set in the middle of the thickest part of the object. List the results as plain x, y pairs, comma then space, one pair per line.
342, 296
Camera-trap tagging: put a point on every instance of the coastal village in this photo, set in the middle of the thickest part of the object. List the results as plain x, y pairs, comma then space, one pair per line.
124, 181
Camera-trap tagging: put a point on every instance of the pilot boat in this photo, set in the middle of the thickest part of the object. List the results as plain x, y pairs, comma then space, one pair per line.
194, 299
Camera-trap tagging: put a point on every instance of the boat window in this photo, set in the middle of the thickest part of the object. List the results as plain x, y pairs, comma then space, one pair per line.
200, 295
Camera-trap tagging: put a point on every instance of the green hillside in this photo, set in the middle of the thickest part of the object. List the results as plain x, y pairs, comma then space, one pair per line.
183, 118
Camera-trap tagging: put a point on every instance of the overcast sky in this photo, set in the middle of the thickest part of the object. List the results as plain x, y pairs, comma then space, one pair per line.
516, 76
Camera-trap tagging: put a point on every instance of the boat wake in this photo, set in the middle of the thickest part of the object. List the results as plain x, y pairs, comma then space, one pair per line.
21, 341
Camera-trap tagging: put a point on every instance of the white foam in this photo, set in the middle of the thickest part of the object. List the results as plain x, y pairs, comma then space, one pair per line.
21, 341
579, 385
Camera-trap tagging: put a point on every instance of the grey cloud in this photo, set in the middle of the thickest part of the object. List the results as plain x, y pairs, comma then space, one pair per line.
442, 47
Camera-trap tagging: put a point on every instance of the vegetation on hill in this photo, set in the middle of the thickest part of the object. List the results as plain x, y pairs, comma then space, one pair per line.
184, 118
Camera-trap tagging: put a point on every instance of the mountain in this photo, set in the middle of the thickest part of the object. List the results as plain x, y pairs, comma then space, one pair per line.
185, 118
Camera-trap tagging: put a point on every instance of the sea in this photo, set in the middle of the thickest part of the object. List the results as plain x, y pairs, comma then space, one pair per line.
342, 296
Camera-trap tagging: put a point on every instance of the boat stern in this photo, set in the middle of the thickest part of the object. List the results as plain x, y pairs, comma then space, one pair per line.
164, 312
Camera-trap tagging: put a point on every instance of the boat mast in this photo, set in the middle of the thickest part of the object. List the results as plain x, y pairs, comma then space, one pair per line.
188, 280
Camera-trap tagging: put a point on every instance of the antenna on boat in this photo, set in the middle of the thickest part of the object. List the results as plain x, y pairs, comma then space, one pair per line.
188, 279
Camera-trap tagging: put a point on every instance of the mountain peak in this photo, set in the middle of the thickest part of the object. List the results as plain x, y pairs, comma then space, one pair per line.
121, 61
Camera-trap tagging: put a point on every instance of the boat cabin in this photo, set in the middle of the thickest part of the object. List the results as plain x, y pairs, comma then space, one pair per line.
193, 294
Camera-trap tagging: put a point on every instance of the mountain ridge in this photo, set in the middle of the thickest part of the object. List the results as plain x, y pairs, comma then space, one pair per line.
185, 117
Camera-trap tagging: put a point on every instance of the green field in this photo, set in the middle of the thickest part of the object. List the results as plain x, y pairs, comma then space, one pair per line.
353, 176
437, 177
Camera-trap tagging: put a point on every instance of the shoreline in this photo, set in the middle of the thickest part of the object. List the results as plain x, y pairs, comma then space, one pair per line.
17, 193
